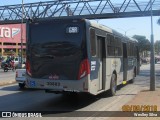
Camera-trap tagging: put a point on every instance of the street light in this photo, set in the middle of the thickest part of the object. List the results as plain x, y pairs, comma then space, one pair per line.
125, 31
152, 65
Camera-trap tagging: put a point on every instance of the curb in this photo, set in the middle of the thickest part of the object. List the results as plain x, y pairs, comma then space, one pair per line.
7, 82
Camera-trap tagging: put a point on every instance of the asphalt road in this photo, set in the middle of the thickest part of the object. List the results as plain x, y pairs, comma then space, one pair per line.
10, 75
14, 99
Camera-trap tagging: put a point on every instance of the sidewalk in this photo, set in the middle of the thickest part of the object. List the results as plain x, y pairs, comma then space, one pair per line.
7, 82
145, 97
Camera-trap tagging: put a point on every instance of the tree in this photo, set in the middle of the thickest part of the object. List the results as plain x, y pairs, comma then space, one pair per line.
157, 47
143, 44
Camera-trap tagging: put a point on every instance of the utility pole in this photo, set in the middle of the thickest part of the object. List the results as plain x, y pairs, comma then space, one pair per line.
152, 65
22, 34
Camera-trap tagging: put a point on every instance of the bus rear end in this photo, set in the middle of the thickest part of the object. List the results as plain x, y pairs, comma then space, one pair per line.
57, 56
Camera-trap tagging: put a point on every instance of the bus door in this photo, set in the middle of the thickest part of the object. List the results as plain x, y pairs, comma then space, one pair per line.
125, 62
101, 55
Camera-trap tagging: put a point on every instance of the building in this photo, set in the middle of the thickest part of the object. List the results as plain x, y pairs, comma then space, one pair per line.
10, 39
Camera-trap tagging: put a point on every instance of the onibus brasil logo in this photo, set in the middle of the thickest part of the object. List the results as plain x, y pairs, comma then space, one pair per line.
6, 32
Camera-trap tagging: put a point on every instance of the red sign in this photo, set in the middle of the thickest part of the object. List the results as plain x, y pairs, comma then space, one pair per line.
11, 33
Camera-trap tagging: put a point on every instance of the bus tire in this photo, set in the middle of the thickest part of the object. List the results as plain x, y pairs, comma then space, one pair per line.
113, 85
21, 85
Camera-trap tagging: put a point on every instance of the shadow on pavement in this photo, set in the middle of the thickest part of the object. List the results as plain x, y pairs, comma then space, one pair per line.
16, 88
38, 100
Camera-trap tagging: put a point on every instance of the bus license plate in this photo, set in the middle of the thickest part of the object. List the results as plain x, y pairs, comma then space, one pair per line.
57, 84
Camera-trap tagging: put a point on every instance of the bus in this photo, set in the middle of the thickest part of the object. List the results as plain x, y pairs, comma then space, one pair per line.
78, 55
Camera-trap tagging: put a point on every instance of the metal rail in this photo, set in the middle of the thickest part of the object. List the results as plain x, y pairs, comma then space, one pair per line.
90, 9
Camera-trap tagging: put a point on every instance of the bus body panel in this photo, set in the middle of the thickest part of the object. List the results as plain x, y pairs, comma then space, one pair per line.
119, 69
58, 85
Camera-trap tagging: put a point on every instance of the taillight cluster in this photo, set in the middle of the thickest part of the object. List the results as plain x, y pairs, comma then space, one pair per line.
28, 67
84, 69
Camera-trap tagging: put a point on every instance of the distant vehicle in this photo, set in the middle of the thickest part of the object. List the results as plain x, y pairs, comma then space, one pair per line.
3, 62
1, 58
17, 61
9, 66
157, 59
78, 55
21, 77
145, 60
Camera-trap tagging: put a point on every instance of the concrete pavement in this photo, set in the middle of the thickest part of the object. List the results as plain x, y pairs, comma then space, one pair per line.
145, 97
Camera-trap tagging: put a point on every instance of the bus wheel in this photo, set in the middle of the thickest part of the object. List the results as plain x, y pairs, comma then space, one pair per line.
21, 85
113, 85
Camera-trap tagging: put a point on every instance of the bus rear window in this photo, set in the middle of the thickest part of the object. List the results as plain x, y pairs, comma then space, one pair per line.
93, 42
56, 32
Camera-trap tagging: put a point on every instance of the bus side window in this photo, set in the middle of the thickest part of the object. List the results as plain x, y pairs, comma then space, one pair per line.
114, 46
110, 45
92, 42
131, 49
118, 47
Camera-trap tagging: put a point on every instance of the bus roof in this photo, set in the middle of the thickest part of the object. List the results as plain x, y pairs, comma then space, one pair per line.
96, 25
110, 30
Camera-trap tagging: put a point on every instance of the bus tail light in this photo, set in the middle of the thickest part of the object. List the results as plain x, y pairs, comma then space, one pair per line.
84, 69
28, 68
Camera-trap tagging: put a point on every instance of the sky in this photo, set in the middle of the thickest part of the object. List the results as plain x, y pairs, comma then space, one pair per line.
132, 26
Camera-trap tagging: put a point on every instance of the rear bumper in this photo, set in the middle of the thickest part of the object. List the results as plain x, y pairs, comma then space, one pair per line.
58, 85
21, 79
